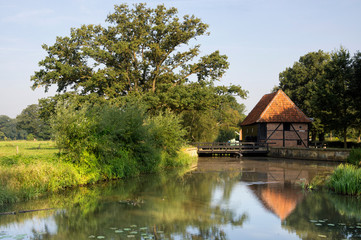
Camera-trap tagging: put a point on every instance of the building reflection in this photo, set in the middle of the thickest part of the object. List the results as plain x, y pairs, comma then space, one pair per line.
274, 182
277, 188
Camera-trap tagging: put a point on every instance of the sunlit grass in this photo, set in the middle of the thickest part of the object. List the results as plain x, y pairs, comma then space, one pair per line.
29, 169
30, 150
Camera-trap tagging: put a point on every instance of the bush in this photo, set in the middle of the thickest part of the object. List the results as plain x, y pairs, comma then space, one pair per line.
166, 132
355, 157
30, 137
346, 179
111, 142
226, 134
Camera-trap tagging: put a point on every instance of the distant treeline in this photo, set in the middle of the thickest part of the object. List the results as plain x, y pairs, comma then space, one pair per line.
27, 125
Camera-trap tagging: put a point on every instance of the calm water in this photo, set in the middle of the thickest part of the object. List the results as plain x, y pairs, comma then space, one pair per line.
220, 199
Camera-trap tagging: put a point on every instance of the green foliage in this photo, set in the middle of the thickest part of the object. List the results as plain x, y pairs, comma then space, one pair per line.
138, 51
2, 136
166, 132
346, 179
201, 126
332, 101
29, 120
30, 137
355, 86
299, 83
226, 134
316, 183
355, 157
9, 129
326, 87
144, 54
111, 142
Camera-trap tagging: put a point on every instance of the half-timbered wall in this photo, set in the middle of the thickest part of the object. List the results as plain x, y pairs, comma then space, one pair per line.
287, 134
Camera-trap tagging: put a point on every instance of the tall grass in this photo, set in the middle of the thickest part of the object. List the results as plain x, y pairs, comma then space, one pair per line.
28, 169
346, 179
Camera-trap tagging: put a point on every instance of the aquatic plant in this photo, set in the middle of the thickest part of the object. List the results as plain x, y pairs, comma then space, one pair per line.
346, 179
316, 183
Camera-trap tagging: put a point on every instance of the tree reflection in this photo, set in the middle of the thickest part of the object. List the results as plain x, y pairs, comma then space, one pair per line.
177, 206
337, 217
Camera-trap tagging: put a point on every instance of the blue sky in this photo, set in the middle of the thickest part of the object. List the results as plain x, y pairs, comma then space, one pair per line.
260, 37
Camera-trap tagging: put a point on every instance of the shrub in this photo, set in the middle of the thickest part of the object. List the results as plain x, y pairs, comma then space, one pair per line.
355, 157
166, 132
226, 134
111, 142
346, 179
30, 137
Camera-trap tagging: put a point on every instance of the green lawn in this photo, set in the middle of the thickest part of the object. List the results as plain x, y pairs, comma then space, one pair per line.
26, 151
29, 169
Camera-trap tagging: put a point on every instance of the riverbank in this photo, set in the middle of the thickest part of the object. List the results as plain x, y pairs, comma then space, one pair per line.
29, 169
344, 180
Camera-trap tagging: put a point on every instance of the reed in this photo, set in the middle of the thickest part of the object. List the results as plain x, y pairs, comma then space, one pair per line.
346, 179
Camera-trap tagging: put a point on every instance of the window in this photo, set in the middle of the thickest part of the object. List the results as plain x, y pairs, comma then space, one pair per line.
286, 126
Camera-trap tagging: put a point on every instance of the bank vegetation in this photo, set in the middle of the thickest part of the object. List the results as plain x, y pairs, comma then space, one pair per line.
92, 144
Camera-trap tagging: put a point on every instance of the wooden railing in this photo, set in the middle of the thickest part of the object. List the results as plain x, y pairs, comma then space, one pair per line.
231, 148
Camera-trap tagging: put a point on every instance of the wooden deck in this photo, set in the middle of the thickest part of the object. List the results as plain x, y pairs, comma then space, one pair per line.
233, 149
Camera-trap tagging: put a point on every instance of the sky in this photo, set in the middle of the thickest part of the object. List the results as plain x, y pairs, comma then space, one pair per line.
260, 37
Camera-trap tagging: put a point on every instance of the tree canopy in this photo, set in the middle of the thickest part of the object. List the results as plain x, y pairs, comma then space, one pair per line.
326, 86
143, 53
141, 50
29, 120
299, 83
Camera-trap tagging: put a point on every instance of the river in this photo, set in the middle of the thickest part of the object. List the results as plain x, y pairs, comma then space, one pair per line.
222, 198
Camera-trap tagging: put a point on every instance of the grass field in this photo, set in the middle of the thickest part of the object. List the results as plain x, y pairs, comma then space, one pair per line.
27, 150
28, 169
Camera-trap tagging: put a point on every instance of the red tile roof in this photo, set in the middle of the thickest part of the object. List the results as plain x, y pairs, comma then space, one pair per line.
275, 107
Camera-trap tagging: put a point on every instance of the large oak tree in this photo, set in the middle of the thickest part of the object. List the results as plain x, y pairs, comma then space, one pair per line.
140, 50
144, 53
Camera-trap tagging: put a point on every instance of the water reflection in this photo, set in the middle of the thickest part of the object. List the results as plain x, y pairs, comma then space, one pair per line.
221, 199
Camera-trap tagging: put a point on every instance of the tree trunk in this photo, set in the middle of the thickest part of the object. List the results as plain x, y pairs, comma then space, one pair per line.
313, 136
345, 137
321, 137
